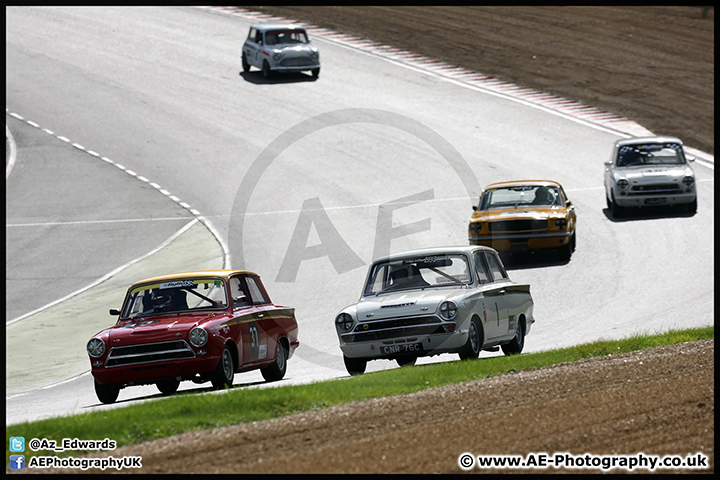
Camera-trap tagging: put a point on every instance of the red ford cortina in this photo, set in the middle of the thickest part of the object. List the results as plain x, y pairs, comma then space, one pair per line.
199, 326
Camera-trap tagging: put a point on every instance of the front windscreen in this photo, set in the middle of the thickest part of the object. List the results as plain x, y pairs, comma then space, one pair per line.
175, 296
285, 37
520, 196
650, 154
418, 272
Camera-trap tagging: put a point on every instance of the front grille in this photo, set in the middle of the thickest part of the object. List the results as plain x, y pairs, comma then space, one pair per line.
395, 327
659, 189
296, 62
149, 352
521, 225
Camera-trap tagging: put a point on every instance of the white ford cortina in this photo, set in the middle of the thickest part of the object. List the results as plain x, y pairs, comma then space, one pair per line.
649, 171
432, 301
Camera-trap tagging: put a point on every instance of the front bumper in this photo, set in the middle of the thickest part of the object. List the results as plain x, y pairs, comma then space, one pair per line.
529, 241
636, 200
416, 345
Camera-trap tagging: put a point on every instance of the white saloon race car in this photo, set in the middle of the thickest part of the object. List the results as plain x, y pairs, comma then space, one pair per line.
432, 301
649, 171
279, 47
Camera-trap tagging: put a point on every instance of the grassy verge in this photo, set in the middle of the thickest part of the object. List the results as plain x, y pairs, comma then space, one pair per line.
186, 412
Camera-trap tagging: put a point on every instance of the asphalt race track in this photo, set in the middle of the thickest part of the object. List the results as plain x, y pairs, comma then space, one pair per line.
136, 147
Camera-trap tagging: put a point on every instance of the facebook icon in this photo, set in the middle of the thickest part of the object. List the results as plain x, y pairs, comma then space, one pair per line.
17, 462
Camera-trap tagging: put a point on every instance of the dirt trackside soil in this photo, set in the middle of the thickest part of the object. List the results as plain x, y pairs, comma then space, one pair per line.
654, 65
659, 402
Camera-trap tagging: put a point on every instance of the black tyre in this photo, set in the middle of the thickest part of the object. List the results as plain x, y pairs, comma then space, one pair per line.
566, 250
355, 366
315, 72
245, 64
474, 342
277, 370
692, 207
517, 343
406, 361
266, 69
168, 386
617, 210
224, 373
106, 393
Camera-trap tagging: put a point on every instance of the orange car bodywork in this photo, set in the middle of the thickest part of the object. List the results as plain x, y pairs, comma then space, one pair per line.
525, 227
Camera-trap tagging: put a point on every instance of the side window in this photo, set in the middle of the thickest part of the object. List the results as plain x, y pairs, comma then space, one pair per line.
481, 268
496, 268
252, 34
256, 293
238, 294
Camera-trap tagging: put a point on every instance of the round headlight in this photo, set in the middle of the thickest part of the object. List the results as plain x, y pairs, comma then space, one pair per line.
688, 181
96, 347
448, 310
561, 223
622, 184
475, 227
198, 337
344, 322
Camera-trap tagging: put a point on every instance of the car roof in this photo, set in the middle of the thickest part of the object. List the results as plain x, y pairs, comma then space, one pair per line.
517, 183
466, 249
277, 26
225, 274
643, 140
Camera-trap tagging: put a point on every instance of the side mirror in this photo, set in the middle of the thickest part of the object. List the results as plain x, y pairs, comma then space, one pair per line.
475, 208
608, 164
690, 158
114, 311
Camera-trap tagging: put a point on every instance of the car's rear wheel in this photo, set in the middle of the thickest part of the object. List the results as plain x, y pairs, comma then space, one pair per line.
355, 366
168, 386
517, 343
277, 370
106, 393
472, 347
224, 373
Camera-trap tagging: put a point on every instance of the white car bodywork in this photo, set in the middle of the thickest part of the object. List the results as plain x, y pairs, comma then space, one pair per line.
649, 171
456, 300
279, 47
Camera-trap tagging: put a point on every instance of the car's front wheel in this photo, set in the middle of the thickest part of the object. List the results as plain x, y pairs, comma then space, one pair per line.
472, 347
106, 393
355, 366
224, 373
315, 72
617, 210
245, 64
406, 361
169, 386
266, 69
277, 370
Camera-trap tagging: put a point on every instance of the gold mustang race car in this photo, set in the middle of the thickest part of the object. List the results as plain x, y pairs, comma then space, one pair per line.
522, 216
